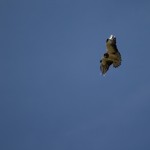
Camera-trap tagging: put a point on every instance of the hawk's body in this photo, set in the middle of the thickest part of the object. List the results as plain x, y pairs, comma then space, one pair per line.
112, 55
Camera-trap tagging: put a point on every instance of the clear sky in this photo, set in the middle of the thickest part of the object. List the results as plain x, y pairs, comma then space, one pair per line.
52, 95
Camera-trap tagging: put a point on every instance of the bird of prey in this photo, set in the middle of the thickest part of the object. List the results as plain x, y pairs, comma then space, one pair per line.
111, 57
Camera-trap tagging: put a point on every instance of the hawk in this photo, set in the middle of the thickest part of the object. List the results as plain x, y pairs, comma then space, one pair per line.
111, 57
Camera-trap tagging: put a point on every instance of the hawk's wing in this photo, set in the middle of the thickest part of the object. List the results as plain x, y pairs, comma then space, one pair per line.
104, 66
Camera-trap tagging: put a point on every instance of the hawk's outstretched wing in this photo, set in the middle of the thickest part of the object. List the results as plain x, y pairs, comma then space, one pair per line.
105, 63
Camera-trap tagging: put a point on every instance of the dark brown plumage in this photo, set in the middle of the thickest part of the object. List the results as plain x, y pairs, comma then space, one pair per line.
111, 57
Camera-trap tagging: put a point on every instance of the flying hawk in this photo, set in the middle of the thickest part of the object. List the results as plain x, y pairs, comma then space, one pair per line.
112, 55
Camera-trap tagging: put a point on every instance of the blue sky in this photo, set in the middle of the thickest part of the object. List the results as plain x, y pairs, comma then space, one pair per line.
53, 96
